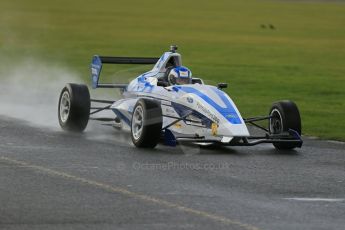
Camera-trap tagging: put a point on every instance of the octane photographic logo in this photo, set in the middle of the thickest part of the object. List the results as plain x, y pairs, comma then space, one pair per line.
171, 165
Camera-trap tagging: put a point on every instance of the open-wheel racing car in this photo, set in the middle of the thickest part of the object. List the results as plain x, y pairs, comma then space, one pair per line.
167, 104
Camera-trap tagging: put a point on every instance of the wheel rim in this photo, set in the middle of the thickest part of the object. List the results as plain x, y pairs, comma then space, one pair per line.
276, 122
65, 106
137, 122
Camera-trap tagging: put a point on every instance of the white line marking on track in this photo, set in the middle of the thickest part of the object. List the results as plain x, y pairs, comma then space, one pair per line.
316, 199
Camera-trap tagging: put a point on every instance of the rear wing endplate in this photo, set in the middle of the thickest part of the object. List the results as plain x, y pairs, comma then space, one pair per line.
98, 61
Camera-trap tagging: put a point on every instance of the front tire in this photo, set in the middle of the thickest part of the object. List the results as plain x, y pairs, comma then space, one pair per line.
74, 107
146, 124
284, 116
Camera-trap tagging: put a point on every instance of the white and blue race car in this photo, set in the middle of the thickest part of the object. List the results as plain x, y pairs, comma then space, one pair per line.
168, 105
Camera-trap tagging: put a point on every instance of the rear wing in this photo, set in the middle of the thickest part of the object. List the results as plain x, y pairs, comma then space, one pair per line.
98, 61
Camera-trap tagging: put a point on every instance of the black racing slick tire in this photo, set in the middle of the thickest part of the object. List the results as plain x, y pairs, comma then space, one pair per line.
146, 123
284, 116
74, 107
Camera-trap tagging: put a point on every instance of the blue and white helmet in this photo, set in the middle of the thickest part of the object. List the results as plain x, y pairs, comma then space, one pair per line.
180, 76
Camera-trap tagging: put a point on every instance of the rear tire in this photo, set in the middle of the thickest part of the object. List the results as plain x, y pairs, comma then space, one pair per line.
146, 124
285, 116
74, 107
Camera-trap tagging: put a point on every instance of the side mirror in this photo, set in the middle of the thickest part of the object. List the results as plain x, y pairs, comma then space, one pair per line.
197, 81
222, 86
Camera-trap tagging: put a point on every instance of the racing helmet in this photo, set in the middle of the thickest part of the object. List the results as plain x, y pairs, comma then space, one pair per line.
180, 76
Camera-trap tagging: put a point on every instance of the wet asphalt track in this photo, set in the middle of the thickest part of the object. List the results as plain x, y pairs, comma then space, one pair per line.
50, 179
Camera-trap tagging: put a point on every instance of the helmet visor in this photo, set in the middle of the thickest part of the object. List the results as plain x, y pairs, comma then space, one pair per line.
182, 80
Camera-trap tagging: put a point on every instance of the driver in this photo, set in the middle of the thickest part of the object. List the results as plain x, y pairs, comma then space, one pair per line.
180, 76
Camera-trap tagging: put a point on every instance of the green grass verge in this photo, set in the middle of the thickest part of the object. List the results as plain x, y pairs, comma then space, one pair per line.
302, 59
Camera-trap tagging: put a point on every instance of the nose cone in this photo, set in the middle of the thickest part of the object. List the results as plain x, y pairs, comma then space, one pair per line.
227, 129
218, 107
